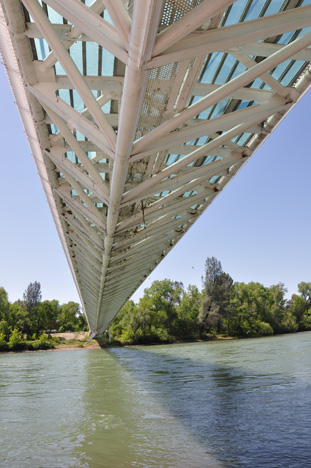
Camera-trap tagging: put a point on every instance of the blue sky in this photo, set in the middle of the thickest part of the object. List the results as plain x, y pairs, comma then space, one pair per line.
259, 227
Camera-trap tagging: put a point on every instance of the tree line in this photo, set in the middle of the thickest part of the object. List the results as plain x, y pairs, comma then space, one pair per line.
168, 312
29, 319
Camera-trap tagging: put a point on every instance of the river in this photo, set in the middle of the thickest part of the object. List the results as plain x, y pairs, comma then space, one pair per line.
244, 403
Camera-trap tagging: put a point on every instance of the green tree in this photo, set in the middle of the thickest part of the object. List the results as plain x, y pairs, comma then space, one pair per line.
81, 323
32, 296
258, 310
4, 304
275, 311
161, 301
47, 315
15, 341
68, 316
305, 323
133, 325
299, 306
3, 343
5, 330
249, 314
31, 299
188, 311
122, 320
305, 292
17, 316
217, 292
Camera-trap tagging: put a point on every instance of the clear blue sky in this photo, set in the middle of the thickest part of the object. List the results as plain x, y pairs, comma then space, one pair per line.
259, 227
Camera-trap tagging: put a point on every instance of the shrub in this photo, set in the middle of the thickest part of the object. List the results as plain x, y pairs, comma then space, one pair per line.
288, 324
3, 344
32, 345
264, 328
15, 341
306, 320
41, 343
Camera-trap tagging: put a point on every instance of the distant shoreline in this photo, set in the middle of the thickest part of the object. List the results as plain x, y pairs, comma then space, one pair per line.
96, 345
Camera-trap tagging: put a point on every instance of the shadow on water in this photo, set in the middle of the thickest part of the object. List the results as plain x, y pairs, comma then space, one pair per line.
228, 405
127, 425
246, 402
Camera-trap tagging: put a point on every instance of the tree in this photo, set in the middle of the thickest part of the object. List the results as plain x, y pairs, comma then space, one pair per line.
15, 340
250, 309
300, 306
306, 320
4, 304
5, 330
18, 317
82, 322
188, 312
217, 292
68, 316
161, 301
48, 314
32, 296
213, 270
276, 312
305, 292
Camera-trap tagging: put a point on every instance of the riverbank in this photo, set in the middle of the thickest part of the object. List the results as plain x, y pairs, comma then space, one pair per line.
76, 341
51, 342
79, 340
73, 340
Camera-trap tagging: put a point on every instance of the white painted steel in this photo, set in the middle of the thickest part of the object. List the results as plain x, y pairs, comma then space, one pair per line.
118, 155
188, 23
228, 37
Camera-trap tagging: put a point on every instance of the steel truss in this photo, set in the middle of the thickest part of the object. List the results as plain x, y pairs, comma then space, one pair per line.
129, 158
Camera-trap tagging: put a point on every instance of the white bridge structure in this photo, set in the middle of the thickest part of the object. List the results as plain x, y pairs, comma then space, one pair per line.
139, 112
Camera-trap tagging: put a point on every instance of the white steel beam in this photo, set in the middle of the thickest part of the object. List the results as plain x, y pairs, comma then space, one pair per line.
121, 19
57, 156
227, 37
169, 211
75, 34
96, 83
265, 77
178, 165
240, 81
91, 24
13, 61
249, 94
79, 228
257, 112
83, 257
175, 182
265, 49
71, 69
85, 199
188, 23
76, 148
71, 116
64, 193
86, 247
145, 21
87, 227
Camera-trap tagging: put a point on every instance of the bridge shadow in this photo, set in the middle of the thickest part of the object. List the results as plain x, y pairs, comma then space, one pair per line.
129, 418
239, 414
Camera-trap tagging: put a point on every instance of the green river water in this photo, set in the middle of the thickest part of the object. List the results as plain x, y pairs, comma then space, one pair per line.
244, 403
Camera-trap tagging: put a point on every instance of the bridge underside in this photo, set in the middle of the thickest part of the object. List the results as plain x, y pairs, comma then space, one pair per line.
138, 114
